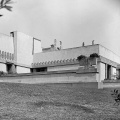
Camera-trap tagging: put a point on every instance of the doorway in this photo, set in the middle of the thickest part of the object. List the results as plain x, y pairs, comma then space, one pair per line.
108, 71
10, 68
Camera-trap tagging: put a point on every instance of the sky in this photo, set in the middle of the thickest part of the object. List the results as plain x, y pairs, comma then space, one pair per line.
70, 21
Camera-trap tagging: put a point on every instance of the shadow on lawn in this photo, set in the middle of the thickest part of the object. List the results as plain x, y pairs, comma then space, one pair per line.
59, 104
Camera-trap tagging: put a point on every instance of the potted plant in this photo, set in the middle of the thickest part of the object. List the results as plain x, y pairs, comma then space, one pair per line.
82, 59
94, 55
93, 58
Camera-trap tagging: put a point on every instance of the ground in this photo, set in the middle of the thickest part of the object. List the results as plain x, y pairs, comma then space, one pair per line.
80, 101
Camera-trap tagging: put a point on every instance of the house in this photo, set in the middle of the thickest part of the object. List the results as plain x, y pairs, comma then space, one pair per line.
21, 53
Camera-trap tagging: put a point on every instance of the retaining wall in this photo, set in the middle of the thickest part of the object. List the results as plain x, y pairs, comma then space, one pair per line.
110, 84
51, 77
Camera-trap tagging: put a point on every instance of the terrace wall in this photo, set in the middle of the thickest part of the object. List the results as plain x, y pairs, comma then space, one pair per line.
51, 77
20, 69
63, 67
6, 43
3, 67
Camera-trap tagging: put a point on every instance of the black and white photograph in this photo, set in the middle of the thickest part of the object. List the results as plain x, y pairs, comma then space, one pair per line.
59, 59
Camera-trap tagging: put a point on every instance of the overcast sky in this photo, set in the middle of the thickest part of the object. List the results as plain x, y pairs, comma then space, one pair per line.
69, 21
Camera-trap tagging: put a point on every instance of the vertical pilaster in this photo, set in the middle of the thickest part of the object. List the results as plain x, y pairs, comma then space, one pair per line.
111, 73
14, 35
99, 70
106, 66
13, 68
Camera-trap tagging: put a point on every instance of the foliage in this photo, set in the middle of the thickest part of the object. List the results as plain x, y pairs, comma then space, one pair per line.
5, 4
116, 96
81, 57
94, 55
2, 73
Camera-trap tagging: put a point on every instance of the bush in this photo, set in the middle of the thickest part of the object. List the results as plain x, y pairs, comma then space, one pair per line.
94, 55
2, 73
81, 57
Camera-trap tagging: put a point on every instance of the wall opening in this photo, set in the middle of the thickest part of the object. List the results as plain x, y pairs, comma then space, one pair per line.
9, 68
31, 70
118, 73
108, 71
43, 69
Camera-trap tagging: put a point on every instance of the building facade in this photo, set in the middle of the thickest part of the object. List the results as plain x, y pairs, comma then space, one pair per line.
21, 53
16, 52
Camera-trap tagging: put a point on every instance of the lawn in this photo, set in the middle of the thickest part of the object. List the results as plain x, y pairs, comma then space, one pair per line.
80, 101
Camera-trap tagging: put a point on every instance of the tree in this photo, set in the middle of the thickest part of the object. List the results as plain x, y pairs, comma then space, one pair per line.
4, 4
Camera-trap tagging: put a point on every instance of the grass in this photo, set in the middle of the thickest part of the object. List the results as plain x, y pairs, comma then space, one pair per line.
78, 101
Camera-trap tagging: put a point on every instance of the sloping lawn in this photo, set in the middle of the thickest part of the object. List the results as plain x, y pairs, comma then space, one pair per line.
80, 101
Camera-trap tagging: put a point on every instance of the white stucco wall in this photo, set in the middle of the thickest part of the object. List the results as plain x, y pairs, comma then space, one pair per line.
3, 67
108, 54
37, 46
64, 54
24, 48
114, 72
22, 69
60, 68
101, 70
6, 43
52, 78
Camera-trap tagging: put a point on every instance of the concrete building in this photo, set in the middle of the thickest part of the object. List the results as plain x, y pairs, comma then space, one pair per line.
16, 52
20, 53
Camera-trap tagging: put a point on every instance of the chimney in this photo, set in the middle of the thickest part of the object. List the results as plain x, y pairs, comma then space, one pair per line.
60, 45
12, 34
55, 44
93, 42
83, 44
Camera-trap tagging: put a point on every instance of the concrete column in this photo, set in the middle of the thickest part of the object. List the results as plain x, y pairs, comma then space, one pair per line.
34, 70
118, 73
11, 68
99, 70
106, 71
111, 72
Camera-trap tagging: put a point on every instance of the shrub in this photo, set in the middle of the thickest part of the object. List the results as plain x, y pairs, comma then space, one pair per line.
94, 55
2, 73
81, 57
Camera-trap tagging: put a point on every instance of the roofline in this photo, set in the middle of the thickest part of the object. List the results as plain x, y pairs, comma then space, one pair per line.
109, 50
70, 48
27, 34
36, 39
80, 46
5, 34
